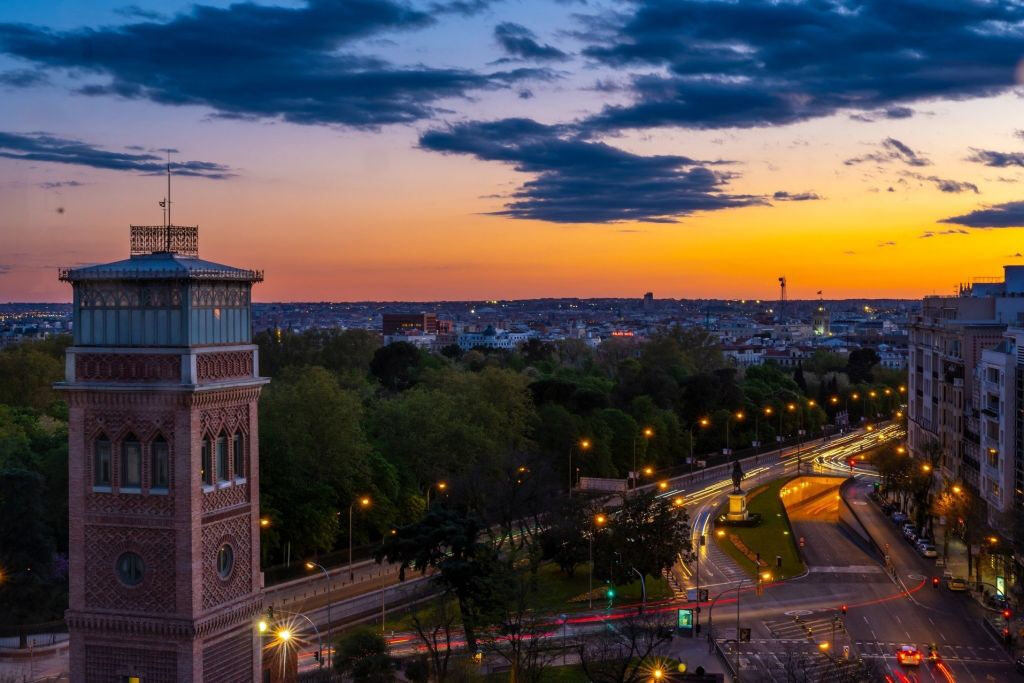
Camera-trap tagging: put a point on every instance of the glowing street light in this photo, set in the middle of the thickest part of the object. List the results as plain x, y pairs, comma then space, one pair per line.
926, 468
284, 635
262, 626
956, 489
364, 502
678, 501
599, 521
663, 485
264, 522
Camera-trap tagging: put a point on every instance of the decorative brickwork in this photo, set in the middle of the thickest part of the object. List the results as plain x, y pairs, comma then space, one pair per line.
214, 367
229, 660
229, 496
236, 532
127, 367
104, 590
106, 663
141, 505
116, 425
224, 420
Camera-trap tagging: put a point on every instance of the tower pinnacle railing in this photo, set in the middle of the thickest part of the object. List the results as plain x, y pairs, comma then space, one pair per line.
176, 239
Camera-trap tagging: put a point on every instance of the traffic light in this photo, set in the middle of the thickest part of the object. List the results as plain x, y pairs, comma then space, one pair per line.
316, 655
935, 582
1007, 614
843, 610
744, 635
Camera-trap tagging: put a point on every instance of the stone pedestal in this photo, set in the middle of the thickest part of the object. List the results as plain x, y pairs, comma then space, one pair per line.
737, 507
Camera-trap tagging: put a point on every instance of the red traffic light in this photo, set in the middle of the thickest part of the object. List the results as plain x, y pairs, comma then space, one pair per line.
843, 608
935, 582
1006, 614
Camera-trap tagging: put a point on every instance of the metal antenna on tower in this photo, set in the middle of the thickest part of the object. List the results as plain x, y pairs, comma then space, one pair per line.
782, 295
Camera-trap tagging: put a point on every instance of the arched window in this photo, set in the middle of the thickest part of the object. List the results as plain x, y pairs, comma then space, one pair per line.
222, 457
131, 463
238, 451
159, 474
206, 471
101, 462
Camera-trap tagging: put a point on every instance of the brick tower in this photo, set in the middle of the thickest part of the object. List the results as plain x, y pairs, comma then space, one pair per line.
162, 383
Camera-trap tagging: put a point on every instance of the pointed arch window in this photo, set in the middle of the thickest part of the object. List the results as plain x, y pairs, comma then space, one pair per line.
131, 463
206, 471
101, 462
159, 464
238, 453
222, 457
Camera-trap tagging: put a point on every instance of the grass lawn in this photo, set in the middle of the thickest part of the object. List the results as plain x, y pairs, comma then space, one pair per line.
556, 594
773, 536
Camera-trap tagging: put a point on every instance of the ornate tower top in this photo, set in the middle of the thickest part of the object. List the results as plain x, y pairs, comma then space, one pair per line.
174, 239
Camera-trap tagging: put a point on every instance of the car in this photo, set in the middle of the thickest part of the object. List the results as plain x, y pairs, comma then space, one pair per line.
928, 551
957, 584
908, 655
997, 602
899, 518
1019, 665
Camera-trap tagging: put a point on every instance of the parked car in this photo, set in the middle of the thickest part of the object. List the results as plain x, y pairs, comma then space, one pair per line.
1019, 665
997, 602
957, 584
928, 550
899, 518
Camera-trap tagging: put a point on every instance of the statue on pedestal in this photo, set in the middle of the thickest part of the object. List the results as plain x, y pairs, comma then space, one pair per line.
737, 476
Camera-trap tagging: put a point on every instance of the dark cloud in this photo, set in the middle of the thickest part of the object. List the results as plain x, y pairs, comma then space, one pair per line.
1009, 215
1015, 255
252, 61
715, 64
997, 159
5, 268
52, 149
581, 181
951, 231
945, 184
519, 41
892, 150
23, 78
784, 196
53, 185
890, 243
891, 113
136, 12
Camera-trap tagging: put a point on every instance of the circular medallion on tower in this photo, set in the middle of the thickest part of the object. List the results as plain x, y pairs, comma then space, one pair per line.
130, 568
225, 561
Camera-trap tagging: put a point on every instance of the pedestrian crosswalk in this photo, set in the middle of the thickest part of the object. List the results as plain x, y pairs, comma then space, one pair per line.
963, 653
722, 566
804, 628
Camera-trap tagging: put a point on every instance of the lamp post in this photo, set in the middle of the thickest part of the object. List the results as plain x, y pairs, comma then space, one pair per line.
584, 444
648, 432
314, 565
711, 632
739, 416
441, 486
365, 503
598, 521
285, 635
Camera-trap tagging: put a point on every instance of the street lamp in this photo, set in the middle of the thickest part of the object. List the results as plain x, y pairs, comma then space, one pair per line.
599, 521
584, 445
313, 565
441, 486
364, 502
648, 432
739, 416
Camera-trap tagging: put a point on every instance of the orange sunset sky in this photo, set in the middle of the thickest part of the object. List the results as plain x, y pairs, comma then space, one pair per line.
342, 209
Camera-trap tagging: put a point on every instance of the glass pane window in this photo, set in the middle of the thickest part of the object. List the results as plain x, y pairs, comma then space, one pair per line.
159, 474
222, 458
207, 466
131, 463
239, 456
130, 568
225, 561
101, 462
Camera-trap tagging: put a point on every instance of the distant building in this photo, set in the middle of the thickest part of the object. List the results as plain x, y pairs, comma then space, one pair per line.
647, 303
404, 323
821, 321
492, 338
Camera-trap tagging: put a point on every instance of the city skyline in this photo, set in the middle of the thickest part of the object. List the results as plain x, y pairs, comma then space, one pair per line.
518, 150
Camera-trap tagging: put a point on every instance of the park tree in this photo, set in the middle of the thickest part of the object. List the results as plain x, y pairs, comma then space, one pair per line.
453, 543
27, 375
644, 537
397, 366
860, 364
362, 655
627, 653
314, 458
